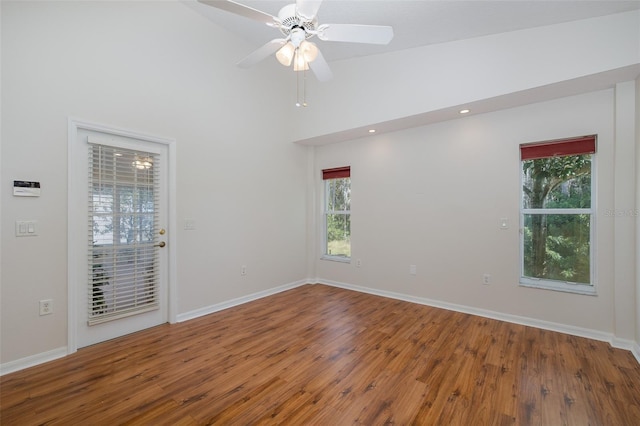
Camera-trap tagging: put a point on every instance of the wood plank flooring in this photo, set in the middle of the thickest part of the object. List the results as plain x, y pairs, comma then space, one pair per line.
318, 355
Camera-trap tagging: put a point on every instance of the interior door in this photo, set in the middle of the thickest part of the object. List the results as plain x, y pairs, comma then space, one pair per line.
124, 286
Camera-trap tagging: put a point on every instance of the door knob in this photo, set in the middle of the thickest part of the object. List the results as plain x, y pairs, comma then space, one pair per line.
161, 244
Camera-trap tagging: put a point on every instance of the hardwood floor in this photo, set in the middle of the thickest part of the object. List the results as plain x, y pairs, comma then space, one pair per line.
327, 356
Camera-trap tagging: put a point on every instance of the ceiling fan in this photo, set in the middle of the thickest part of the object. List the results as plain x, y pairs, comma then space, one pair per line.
298, 23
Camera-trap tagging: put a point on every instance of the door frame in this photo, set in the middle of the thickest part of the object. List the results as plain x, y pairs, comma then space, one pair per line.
76, 190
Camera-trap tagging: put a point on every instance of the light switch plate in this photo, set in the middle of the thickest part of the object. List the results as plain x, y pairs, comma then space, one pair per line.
26, 228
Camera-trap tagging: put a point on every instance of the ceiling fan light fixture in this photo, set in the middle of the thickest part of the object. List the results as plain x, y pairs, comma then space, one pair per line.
298, 22
285, 54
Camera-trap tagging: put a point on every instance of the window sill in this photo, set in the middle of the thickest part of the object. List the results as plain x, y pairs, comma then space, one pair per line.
565, 287
339, 259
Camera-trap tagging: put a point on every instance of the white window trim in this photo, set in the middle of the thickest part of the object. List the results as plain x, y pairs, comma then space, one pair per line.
564, 286
341, 259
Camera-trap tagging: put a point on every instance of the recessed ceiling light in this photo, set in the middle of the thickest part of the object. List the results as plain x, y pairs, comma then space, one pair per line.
372, 130
464, 111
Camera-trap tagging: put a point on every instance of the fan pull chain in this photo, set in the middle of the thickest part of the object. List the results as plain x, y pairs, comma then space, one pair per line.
304, 88
304, 85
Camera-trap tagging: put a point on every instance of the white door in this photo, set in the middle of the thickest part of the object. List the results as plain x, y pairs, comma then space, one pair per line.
120, 247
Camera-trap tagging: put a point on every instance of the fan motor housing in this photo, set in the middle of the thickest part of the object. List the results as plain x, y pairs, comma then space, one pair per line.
291, 20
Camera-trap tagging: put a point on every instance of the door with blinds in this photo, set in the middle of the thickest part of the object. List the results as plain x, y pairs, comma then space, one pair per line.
125, 282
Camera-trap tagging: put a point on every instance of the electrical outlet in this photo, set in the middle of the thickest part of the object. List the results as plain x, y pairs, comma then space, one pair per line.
46, 307
243, 270
358, 263
413, 270
486, 279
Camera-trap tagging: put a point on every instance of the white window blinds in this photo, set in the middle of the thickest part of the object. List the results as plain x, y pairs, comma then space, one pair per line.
123, 219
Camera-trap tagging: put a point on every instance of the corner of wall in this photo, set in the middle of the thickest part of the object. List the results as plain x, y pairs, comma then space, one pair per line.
311, 212
625, 213
637, 211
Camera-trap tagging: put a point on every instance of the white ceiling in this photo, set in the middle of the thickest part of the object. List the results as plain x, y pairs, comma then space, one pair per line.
416, 23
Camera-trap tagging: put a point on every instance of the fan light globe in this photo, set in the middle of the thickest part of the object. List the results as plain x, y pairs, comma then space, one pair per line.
309, 51
285, 54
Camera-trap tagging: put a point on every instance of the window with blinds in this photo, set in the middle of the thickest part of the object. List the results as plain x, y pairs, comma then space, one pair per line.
123, 218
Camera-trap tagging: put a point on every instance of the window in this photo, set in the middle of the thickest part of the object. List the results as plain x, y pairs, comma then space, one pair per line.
122, 270
557, 214
337, 213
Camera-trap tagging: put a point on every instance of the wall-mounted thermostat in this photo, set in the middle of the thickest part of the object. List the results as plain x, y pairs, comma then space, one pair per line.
24, 188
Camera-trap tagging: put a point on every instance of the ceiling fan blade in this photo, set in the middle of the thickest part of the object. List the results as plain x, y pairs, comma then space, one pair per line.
320, 68
307, 9
261, 53
373, 34
242, 10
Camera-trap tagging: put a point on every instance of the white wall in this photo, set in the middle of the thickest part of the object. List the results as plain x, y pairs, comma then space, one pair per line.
157, 68
433, 196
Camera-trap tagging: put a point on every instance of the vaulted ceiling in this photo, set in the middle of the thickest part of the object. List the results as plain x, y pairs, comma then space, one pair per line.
580, 60
418, 22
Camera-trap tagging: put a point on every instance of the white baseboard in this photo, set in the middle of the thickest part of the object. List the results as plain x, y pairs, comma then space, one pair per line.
33, 360
238, 301
629, 345
635, 350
